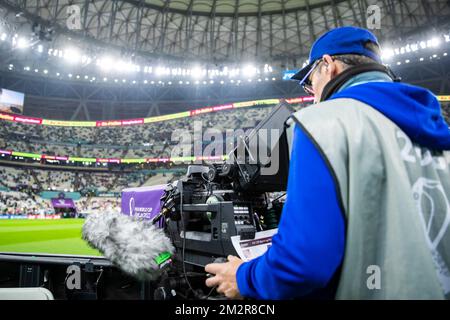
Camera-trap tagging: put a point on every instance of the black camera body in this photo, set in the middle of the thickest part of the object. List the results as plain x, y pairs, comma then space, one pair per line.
207, 213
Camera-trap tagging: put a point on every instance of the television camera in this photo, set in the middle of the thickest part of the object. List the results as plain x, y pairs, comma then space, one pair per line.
212, 203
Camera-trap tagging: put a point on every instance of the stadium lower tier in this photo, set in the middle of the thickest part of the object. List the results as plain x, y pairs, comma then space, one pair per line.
32, 178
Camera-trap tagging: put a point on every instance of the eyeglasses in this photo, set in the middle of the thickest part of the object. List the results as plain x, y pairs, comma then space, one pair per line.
306, 82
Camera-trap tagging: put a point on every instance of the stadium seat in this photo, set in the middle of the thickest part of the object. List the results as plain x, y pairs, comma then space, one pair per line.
25, 294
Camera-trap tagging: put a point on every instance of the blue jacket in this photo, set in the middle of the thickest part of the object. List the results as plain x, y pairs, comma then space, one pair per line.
308, 249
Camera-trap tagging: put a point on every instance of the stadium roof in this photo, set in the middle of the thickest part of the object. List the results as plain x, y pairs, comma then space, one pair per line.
196, 35
215, 31
231, 8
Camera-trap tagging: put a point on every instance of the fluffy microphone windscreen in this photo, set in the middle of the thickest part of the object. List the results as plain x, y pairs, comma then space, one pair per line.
129, 243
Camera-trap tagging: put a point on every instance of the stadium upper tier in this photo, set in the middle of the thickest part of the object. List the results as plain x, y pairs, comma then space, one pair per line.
122, 139
19, 178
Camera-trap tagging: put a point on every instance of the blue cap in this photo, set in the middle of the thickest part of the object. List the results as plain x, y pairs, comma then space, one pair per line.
343, 40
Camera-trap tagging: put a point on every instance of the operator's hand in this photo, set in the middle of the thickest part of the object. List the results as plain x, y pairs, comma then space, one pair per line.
225, 277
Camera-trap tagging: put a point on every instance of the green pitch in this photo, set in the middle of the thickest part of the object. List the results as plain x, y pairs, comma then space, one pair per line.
44, 236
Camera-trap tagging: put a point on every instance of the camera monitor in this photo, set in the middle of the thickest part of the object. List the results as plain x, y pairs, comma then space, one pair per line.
262, 157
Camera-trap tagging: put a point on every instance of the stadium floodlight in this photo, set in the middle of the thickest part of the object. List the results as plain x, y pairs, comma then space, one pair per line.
123, 66
3, 36
70, 75
36, 70
58, 74
267, 68
21, 43
234, 72
225, 71
72, 55
105, 63
160, 71
40, 48
85, 59
213, 73
447, 37
45, 71
197, 72
434, 42
249, 71
387, 54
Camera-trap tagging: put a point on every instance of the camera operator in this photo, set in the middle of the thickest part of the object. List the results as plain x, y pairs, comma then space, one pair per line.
367, 210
